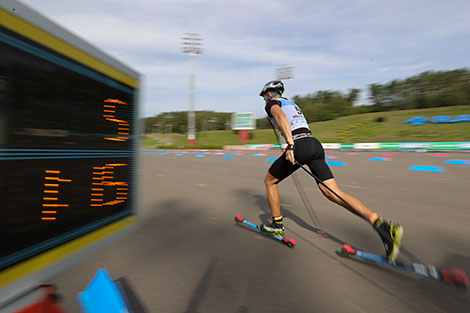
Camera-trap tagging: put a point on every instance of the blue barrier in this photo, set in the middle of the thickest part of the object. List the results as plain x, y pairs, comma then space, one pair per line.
416, 121
420, 120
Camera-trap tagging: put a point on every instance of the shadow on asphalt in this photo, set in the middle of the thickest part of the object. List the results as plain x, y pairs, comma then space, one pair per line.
261, 202
201, 288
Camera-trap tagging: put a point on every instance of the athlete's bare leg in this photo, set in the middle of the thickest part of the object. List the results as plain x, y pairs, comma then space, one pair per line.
358, 208
273, 195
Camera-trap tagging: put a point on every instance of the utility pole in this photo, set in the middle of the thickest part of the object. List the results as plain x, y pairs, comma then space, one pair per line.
192, 45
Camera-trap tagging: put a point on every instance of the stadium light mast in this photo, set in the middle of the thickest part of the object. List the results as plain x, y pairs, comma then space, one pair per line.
192, 45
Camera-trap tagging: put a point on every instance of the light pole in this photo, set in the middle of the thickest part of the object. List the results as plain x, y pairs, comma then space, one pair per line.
192, 45
169, 126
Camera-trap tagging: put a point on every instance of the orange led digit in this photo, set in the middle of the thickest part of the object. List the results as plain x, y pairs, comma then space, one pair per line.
47, 199
112, 118
52, 172
106, 180
114, 139
115, 101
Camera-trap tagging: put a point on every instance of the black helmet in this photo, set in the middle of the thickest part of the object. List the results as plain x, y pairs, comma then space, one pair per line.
274, 85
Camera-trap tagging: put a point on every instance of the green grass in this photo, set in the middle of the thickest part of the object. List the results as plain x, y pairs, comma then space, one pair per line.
353, 128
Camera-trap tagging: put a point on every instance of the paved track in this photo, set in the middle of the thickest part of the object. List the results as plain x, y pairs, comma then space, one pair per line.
188, 255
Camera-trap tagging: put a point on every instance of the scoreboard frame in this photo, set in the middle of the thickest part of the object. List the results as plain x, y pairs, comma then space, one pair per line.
116, 163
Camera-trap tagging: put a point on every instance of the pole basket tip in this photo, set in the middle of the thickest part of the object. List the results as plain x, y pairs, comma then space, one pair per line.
455, 276
348, 249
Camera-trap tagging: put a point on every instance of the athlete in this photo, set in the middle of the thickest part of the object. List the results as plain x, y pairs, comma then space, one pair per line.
303, 148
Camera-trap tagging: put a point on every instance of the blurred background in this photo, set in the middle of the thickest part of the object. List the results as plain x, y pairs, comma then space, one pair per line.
140, 118
345, 58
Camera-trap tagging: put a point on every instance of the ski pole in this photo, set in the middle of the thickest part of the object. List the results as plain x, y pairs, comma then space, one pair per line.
329, 189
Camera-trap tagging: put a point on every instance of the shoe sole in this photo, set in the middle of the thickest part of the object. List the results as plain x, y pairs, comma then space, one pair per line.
396, 245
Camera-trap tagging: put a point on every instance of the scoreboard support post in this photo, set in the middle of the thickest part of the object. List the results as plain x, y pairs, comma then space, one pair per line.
243, 123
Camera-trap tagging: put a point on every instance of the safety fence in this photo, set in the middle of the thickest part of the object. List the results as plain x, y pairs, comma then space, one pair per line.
462, 145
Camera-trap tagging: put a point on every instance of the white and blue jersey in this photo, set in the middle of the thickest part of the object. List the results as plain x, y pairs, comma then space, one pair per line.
297, 121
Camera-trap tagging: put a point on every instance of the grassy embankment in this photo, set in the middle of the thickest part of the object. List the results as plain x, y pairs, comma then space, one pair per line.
353, 128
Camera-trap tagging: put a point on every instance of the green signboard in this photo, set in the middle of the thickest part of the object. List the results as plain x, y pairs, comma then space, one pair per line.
242, 121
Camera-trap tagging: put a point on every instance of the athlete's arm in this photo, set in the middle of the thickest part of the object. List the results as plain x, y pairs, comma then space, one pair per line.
283, 123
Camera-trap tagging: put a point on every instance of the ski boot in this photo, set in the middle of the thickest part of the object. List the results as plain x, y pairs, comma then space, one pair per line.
276, 228
391, 234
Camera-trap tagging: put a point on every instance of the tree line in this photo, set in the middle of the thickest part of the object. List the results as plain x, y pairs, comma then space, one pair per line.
425, 90
177, 122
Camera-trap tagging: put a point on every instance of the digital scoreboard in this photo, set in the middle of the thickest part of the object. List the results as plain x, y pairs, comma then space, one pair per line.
68, 137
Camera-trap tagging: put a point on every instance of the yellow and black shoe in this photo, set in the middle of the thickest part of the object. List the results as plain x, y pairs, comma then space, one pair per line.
276, 228
391, 234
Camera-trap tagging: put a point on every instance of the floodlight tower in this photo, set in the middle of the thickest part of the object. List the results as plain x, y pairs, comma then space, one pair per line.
192, 45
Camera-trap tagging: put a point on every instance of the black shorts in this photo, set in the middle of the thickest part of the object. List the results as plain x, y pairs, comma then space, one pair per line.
306, 151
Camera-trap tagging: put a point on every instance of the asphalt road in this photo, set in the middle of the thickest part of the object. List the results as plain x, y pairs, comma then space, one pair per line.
189, 256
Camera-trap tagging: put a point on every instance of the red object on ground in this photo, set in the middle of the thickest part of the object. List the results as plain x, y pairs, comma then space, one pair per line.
244, 135
46, 302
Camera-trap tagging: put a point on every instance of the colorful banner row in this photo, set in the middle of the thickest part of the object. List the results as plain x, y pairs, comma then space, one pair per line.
383, 146
400, 145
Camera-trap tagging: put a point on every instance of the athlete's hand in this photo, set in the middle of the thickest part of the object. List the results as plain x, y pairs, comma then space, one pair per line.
290, 156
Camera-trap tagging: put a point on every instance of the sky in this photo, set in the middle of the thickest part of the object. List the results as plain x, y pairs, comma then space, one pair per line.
331, 45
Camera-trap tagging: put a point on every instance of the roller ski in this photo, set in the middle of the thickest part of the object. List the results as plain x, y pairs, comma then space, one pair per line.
455, 276
267, 230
